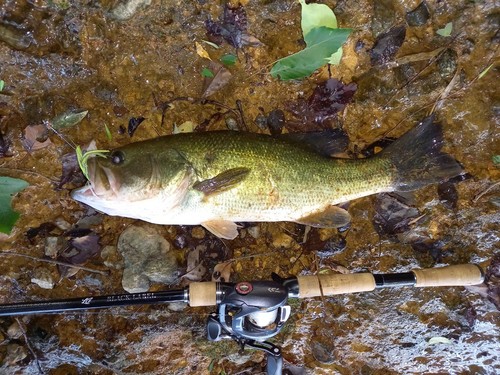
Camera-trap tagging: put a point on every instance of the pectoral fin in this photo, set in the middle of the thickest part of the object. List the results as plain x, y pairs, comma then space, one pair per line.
331, 217
223, 181
222, 228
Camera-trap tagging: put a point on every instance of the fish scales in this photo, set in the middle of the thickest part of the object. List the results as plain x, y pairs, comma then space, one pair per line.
284, 179
218, 178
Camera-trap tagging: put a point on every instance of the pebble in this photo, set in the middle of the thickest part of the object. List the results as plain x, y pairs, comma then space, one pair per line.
111, 258
254, 231
15, 353
282, 240
14, 331
418, 16
147, 258
126, 9
198, 233
43, 278
62, 224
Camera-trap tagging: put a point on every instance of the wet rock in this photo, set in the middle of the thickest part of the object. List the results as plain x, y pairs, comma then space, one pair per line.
276, 121
332, 247
392, 216
448, 194
322, 353
447, 63
147, 258
261, 121
62, 224
53, 245
43, 278
232, 124
127, 8
111, 258
177, 306
387, 45
418, 16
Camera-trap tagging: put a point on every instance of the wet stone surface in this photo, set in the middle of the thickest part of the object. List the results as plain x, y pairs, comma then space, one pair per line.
137, 59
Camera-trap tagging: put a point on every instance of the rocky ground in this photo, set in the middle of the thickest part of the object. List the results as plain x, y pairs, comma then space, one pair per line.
122, 61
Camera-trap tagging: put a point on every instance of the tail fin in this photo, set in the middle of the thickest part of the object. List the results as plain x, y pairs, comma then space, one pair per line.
418, 159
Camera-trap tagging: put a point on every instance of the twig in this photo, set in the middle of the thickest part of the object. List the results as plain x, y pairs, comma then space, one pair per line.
484, 192
25, 336
104, 273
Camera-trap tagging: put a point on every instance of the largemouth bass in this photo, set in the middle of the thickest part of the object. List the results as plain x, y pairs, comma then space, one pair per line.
219, 178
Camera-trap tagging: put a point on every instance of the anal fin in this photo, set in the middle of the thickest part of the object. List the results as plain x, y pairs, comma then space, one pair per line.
222, 228
331, 217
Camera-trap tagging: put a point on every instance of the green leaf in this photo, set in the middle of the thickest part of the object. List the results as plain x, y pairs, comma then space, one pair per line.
445, 31
323, 42
228, 59
8, 187
67, 119
481, 75
496, 160
334, 59
210, 44
207, 73
2, 84
316, 15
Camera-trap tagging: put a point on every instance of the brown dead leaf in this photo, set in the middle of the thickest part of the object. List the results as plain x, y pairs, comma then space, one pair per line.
220, 79
222, 272
35, 137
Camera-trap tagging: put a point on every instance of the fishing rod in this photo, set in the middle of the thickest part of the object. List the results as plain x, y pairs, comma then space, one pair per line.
250, 312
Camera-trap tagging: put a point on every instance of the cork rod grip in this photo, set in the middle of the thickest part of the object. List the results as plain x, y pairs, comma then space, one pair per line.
203, 294
459, 275
328, 285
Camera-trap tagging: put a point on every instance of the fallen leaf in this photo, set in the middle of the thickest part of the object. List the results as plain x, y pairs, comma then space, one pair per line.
222, 272
220, 79
68, 119
445, 31
228, 59
195, 268
328, 98
8, 187
71, 171
316, 15
321, 42
185, 127
201, 51
82, 249
133, 124
35, 137
231, 27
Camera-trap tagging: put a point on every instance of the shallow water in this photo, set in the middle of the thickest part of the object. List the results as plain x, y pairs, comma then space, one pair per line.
56, 56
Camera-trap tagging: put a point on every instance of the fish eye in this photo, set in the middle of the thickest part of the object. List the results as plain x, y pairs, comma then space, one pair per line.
117, 157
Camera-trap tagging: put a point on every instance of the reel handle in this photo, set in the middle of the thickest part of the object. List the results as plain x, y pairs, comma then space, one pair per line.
328, 285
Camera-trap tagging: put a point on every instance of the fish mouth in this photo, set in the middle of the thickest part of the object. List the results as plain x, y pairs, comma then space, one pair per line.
102, 183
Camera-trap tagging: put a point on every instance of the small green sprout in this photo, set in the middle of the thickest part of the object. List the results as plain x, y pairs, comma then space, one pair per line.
496, 160
83, 158
446, 30
108, 132
2, 84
